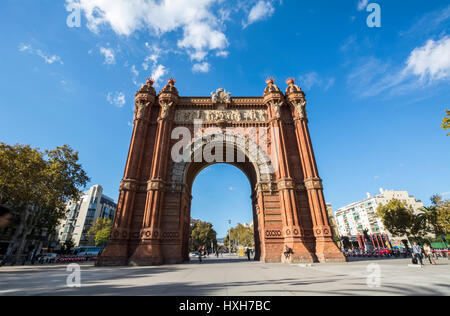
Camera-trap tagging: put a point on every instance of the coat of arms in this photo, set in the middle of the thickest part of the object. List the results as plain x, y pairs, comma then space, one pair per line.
221, 96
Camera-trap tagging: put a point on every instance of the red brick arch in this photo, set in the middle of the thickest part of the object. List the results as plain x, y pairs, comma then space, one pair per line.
153, 217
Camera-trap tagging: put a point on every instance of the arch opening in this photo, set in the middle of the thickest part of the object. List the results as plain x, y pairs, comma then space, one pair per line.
223, 192
255, 166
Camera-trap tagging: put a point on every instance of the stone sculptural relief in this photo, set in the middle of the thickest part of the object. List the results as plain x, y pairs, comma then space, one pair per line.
211, 116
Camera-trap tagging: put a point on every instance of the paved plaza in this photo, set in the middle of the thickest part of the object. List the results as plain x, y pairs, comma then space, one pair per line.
234, 277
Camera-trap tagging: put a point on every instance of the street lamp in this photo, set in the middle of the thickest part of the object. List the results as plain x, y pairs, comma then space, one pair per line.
229, 236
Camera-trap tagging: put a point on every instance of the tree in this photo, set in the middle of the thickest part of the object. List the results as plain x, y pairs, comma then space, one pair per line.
241, 236
400, 220
100, 232
430, 214
37, 185
203, 234
446, 122
68, 246
443, 216
437, 216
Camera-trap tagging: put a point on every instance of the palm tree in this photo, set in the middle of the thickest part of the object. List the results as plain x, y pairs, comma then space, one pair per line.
429, 217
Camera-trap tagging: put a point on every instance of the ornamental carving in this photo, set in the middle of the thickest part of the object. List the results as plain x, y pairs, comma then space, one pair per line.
220, 96
213, 116
276, 106
165, 108
286, 184
141, 108
129, 185
273, 233
155, 185
300, 107
313, 184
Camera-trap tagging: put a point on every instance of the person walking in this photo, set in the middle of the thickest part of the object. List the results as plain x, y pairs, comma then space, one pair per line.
417, 253
200, 254
429, 253
249, 254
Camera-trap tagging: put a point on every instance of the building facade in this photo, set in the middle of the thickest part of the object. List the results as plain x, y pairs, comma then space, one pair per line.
82, 214
354, 219
332, 221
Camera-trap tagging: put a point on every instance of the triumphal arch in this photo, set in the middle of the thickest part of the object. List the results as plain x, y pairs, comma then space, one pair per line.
176, 137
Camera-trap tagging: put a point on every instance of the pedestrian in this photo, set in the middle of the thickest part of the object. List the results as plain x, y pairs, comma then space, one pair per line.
417, 253
429, 253
200, 254
249, 254
5, 216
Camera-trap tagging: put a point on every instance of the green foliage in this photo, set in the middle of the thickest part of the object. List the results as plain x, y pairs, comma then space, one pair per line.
446, 122
101, 231
36, 185
438, 216
443, 216
241, 236
400, 220
203, 235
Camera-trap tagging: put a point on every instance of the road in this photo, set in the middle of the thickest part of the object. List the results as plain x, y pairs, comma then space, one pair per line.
234, 277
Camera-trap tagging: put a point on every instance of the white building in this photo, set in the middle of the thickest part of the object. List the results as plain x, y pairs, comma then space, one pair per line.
353, 219
82, 214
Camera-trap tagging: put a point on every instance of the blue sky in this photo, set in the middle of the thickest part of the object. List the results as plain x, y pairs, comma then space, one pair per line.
376, 96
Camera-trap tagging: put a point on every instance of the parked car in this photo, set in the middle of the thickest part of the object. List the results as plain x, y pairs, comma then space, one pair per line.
87, 251
46, 258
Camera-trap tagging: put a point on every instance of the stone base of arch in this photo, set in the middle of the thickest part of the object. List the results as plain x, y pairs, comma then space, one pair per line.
327, 251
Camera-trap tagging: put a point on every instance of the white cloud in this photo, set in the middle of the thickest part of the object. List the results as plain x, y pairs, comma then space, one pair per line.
49, 59
362, 4
134, 71
108, 54
201, 28
116, 98
260, 11
223, 54
425, 65
431, 61
201, 67
312, 79
24, 47
155, 54
158, 72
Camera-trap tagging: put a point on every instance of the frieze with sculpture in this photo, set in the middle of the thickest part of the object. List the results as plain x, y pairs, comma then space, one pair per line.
211, 116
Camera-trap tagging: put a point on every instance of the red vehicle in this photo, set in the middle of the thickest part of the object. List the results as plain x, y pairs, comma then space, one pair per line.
385, 252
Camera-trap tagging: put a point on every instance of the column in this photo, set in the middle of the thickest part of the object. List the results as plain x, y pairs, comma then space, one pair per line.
117, 251
292, 231
149, 250
326, 248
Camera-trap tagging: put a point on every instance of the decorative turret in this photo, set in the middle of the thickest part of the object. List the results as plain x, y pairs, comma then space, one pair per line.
274, 98
169, 91
168, 97
296, 97
293, 91
146, 93
271, 87
145, 97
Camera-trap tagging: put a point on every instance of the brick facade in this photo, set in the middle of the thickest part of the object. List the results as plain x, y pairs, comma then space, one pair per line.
153, 217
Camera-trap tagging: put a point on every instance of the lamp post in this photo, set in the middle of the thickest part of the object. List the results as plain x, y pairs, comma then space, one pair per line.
229, 236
